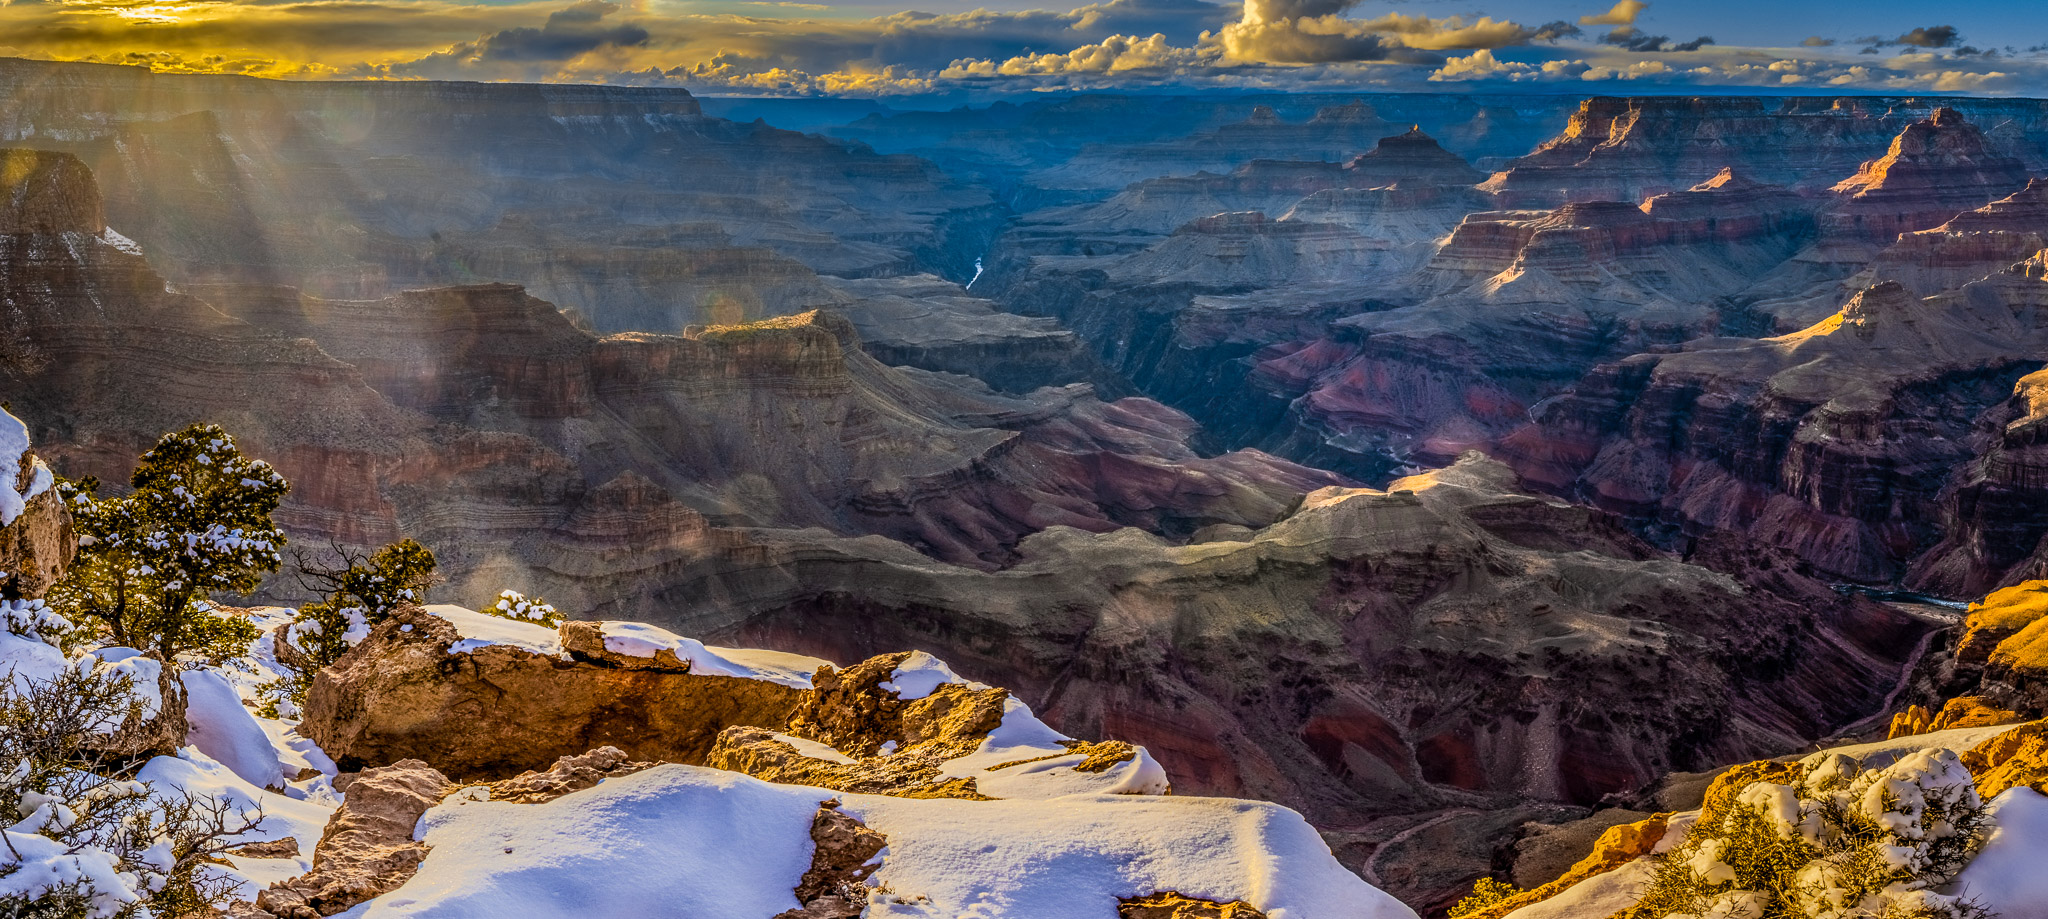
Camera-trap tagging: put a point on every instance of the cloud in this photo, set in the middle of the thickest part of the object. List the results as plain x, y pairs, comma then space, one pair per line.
1116, 54
1930, 37
791, 48
1924, 37
1479, 65
1314, 31
1623, 14
1651, 44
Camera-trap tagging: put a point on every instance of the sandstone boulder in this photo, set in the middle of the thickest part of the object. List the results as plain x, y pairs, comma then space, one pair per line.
570, 773
36, 541
495, 710
368, 847
844, 855
1172, 905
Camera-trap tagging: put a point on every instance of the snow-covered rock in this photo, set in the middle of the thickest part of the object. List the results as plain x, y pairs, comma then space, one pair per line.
224, 729
617, 850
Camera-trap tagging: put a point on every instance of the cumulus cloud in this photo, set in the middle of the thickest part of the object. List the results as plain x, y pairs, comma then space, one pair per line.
1623, 14
1479, 65
1116, 54
798, 48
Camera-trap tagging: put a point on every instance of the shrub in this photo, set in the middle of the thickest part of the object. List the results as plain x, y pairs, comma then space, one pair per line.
1485, 893
196, 524
90, 845
1840, 842
513, 605
355, 596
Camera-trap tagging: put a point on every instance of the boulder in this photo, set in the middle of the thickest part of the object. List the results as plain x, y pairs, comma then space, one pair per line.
494, 711
1170, 905
570, 773
368, 847
36, 540
834, 887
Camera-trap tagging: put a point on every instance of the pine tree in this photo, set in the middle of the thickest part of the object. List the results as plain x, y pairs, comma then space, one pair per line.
197, 523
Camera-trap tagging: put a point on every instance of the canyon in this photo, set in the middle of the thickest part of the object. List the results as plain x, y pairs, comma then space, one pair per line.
1428, 467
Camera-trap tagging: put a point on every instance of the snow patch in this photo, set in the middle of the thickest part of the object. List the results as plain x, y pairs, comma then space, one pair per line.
196, 773
1042, 767
816, 750
120, 242
730, 845
921, 674
638, 639
14, 446
481, 631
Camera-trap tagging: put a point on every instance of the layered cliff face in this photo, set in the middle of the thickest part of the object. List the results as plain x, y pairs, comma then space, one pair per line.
1832, 444
1628, 149
1992, 531
1971, 245
1413, 161
526, 416
1450, 642
1934, 169
360, 189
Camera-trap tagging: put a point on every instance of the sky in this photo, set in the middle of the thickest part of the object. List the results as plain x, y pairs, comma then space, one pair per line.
950, 47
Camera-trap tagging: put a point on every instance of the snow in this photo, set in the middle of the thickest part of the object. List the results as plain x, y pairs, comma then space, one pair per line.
920, 675
479, 631
2007, 876
120, 242
1050, 772
1882, 753
14, 446
690, 841
194, 772
815, 750
1074, 857
669, 841
28, 660
1603, 894
638, 639
225, 730
38, 864
144, 674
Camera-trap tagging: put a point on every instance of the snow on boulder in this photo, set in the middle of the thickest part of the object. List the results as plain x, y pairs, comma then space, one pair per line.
639, 646
480, 631
688, 841
857, 731
144, 674
224, 729
920, 674
36, 539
